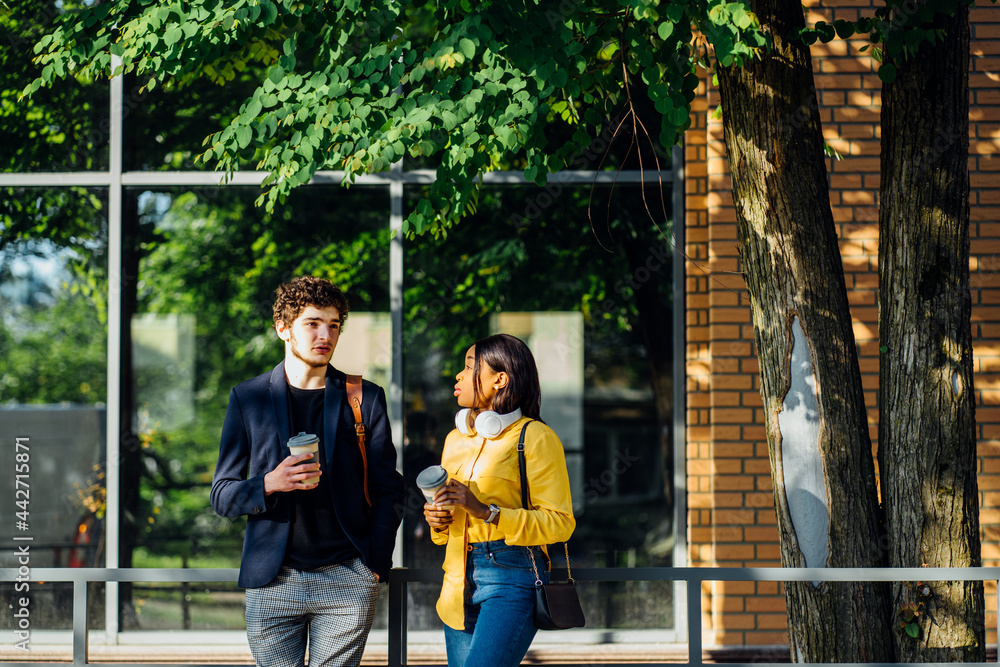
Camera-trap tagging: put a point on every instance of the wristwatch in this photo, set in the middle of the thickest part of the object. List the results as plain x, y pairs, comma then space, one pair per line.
494, 513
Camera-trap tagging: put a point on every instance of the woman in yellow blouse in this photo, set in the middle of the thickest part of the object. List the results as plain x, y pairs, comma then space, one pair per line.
487, 599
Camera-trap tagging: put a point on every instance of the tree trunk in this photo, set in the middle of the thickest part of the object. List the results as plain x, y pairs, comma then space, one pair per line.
927, 442
130, 449
817, 428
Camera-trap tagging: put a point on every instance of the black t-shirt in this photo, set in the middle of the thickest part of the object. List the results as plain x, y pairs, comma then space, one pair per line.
316, 538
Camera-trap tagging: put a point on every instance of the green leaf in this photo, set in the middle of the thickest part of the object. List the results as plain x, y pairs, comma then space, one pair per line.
243, 136
665, 29
887, 73
272, 11
254, 108
912, 629
678, 116
467, 47
738, 15
276, 74
844, 28
914, 37
825, 31
173, 35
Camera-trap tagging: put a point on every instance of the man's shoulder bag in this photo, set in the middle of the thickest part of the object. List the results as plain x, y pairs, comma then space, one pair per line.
354, 397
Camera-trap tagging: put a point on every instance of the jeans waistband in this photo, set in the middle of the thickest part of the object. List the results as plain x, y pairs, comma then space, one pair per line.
494, 545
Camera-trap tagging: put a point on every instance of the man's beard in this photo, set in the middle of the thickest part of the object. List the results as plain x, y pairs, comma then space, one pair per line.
308, 362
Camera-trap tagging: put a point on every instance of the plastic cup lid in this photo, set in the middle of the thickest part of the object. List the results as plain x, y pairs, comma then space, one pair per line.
432, 476
302, 439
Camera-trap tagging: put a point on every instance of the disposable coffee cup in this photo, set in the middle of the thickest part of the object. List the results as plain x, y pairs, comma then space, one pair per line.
302, 444
430, 480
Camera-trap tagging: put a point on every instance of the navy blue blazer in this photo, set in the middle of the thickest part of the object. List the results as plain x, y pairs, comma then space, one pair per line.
253, 443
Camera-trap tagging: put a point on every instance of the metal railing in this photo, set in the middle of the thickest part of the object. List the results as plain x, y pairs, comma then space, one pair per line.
400, 578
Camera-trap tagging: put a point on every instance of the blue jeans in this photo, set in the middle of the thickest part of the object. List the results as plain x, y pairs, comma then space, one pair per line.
499, 606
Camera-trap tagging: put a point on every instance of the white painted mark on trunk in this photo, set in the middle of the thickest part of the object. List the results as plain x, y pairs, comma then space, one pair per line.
802, 464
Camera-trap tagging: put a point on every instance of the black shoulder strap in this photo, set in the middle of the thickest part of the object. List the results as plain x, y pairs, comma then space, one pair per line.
524, 495
523, 466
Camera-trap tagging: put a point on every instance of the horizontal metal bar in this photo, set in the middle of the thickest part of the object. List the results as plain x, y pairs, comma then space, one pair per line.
99, 574
583, 574
399, 577
56, 179
577, 664
172, 179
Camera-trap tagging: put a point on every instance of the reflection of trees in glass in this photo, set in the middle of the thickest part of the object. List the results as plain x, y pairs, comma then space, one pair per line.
532, 250
212, 254
53, 354
59, 129
53, 298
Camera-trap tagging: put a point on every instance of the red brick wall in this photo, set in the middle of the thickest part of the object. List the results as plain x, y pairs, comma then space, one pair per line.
731, 518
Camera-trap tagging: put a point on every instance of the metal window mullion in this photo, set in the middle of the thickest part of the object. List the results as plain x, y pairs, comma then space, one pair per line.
113, 510
396, 327
80, 626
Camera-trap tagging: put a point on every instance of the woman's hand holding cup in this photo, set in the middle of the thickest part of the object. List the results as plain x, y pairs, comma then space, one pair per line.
455, 493
437, 517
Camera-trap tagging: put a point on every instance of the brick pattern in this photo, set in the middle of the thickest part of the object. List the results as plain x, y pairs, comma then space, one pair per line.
731, 518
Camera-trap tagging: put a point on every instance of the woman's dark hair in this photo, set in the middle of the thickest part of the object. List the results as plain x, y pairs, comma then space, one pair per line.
508, 354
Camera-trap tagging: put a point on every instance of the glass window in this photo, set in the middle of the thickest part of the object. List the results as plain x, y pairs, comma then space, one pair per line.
584, 275
60, 128
206, 263
165, 127
53, 388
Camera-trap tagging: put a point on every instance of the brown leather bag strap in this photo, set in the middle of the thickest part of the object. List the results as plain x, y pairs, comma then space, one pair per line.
354, 398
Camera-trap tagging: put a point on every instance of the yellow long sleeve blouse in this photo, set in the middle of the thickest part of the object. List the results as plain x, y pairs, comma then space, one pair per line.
489, 468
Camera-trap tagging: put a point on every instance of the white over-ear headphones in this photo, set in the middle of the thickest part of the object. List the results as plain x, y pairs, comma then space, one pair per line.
488, 424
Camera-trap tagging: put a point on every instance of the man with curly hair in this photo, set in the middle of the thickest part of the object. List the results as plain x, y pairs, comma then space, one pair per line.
315, 548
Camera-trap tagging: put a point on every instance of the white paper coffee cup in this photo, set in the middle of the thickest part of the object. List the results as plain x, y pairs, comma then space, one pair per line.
430, 480
303, 443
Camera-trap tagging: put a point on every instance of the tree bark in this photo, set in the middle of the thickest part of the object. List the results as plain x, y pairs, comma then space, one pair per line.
927, 442
795, 279
130, 450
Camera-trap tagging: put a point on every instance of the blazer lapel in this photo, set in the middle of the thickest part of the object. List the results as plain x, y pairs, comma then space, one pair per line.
279, 404
331, 416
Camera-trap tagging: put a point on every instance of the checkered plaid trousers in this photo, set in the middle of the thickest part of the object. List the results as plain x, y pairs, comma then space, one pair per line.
332, 608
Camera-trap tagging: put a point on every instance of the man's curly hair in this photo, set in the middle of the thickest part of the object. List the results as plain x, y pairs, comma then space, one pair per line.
304, 291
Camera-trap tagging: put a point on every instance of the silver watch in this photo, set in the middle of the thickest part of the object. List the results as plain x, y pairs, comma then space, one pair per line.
494, 513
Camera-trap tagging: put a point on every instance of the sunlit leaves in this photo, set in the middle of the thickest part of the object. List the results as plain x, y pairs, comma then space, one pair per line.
356, 86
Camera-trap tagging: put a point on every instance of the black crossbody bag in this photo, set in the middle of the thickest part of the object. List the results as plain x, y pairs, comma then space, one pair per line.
557, 605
